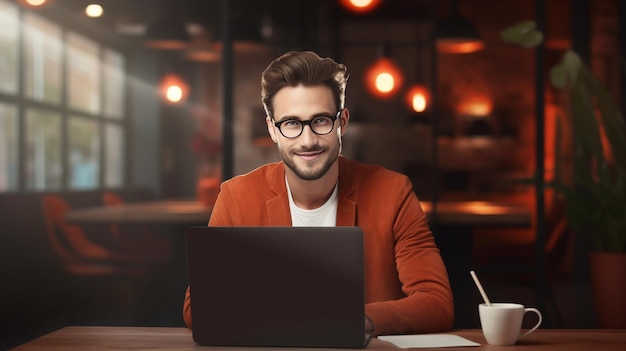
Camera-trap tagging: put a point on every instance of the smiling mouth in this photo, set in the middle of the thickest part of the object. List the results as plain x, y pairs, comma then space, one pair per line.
309, 155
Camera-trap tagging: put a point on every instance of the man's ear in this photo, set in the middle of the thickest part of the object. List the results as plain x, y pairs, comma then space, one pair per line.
343, 122
271, 129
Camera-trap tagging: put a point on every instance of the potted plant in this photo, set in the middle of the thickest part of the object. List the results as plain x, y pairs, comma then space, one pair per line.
594, 187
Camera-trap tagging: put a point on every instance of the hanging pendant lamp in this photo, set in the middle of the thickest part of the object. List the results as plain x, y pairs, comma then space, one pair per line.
383, 79
456, 34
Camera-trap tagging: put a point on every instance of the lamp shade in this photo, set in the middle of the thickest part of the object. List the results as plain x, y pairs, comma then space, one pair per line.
360, 6
456, 34
167, 34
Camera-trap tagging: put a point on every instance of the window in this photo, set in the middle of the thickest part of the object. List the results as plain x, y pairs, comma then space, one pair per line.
43, 150
65, 126
8, 147
114, 162
9, 50
43, 54
83, 78
114, 91
83, 154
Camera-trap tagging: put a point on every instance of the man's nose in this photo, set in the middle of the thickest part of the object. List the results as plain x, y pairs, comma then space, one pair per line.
308, 136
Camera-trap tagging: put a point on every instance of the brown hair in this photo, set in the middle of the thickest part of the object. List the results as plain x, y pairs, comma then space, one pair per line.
303, 68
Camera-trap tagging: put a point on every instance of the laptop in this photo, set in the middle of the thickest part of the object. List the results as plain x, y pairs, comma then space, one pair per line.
277, 286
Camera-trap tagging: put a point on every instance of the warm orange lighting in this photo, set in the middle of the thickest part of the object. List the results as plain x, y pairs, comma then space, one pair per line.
417, 98
174, 93
173, 89
35, 2
475, 106
484, 208
94, 10
360, 5
460, 46
385, 82
383, 79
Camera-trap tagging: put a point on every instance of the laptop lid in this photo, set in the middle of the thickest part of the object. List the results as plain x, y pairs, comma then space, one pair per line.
277, 286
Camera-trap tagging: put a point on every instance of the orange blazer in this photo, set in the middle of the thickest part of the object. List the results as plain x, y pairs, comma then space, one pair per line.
406, 283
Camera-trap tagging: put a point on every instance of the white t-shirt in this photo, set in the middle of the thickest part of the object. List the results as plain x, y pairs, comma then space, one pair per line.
323, 216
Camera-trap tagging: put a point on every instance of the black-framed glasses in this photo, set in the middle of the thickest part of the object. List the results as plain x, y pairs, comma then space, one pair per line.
320, 125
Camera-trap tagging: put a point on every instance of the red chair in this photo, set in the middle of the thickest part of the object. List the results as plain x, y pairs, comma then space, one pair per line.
98, 275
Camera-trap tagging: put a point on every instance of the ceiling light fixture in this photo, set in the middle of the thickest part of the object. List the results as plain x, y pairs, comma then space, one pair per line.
360, 6
173, 89
202, 48
35, 2
94, 10
383, 79
167, 34
418, 98
456, 34
169, 31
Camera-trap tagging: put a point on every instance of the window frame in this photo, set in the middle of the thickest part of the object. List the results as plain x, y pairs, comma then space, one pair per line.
22, 103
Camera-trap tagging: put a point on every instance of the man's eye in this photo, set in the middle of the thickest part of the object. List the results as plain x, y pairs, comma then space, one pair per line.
321, 120
291, 124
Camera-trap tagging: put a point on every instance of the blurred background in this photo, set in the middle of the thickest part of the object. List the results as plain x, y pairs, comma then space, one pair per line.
146, 98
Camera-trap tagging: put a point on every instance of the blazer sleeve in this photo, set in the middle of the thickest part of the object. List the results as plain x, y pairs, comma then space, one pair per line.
428, 305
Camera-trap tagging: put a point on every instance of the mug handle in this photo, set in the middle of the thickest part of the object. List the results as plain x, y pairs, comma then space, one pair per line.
530, 309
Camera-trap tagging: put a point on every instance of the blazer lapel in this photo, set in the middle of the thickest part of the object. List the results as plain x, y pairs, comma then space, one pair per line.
346, 206
277, 207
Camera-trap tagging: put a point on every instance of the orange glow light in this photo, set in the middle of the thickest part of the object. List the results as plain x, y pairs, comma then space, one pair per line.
35, 2
475, 106
460, 47
360, 5
173, 89
94, 10
383, 79
418, 98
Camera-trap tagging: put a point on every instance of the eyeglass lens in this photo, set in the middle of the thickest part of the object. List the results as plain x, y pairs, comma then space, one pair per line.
320, 125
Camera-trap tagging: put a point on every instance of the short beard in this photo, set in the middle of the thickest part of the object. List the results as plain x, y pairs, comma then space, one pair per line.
311, 174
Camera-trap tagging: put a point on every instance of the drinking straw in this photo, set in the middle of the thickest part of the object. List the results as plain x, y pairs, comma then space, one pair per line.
480, 288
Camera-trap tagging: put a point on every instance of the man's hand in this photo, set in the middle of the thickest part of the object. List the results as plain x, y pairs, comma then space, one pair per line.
369, 325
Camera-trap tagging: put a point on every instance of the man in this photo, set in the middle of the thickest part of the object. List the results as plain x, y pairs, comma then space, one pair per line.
407, 288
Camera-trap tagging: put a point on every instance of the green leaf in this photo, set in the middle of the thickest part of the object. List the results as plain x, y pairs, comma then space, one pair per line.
558, 76
572, 63
523, 34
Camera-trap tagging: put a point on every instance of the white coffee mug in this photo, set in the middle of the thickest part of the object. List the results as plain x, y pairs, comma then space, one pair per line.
502, 322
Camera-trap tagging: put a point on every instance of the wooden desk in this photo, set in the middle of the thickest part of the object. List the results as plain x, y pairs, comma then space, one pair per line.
179, 339
177, 212
480, 213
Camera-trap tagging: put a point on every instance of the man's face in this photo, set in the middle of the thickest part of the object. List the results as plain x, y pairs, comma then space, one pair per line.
309, 155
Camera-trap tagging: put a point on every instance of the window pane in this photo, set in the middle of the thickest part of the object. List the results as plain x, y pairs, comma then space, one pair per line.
83, 74
8, 147
9, 22
114, 155
42, 59
43, 150
83, 153
113, 84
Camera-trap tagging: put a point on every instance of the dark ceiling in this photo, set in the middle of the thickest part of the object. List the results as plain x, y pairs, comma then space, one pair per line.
130, 17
